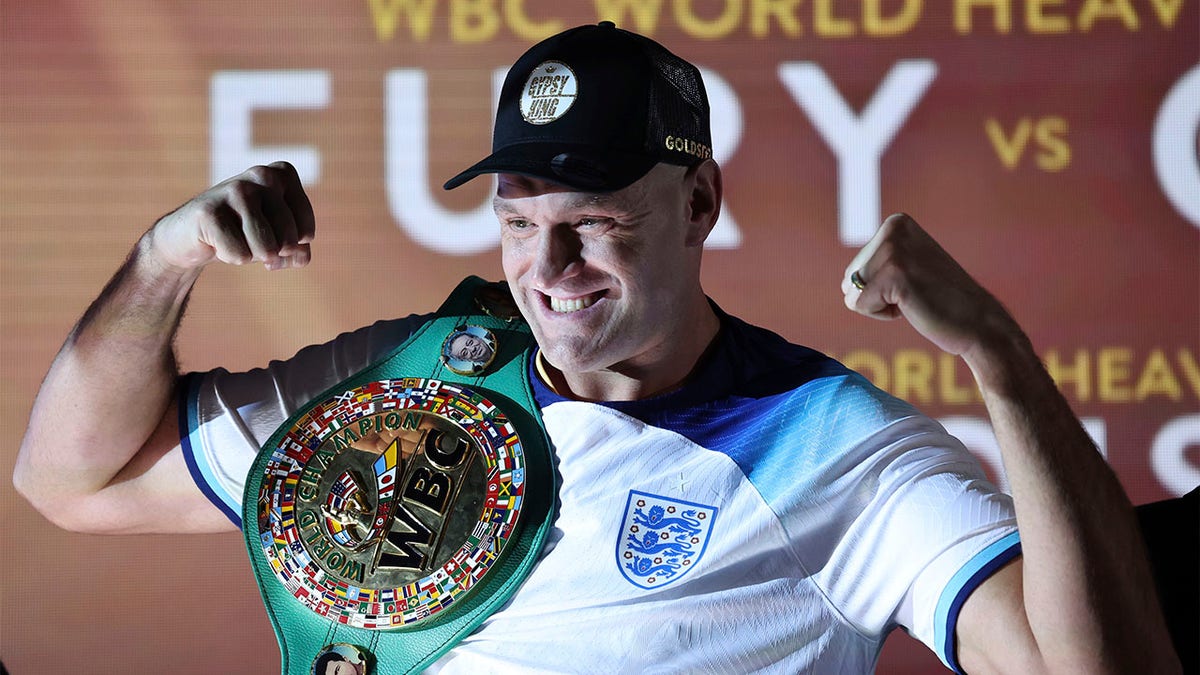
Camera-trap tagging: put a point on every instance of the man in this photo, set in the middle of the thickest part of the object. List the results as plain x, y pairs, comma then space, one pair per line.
797, 513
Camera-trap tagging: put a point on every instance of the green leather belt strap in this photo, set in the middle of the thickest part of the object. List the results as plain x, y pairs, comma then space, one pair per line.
304, 632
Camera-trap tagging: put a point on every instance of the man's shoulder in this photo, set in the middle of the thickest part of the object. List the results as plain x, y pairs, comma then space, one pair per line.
791, 377
368, 344
763, 363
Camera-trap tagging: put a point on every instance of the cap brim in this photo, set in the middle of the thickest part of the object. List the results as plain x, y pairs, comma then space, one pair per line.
586, 168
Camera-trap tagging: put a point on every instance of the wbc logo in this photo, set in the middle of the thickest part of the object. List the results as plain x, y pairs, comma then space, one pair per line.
661, 539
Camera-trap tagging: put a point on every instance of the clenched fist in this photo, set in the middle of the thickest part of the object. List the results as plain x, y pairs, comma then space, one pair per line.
905, 273
261, 215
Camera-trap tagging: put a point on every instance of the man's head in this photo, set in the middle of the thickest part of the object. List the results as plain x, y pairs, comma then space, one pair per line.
606, 193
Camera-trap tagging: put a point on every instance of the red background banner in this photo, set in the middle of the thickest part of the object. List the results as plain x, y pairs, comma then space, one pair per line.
1051, 146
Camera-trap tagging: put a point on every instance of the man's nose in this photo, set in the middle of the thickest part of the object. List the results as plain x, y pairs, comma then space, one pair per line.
558, 255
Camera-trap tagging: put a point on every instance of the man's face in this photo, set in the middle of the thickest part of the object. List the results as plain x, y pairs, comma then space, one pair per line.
601, 278
469, 348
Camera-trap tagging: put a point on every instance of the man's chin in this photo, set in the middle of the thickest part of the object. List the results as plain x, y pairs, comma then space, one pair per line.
567, 358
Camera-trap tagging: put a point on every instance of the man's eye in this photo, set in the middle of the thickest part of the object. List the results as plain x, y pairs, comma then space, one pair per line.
517, 224
593, 222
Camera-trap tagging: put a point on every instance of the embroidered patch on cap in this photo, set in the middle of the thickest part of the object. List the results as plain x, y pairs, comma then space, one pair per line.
548, 93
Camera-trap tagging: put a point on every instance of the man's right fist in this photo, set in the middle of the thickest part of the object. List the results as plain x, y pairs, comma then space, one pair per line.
260, 215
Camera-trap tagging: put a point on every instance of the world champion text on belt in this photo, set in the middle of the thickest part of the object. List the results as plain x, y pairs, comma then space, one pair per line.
386, 504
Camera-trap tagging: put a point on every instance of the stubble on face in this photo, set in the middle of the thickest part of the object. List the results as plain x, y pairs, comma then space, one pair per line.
623, 283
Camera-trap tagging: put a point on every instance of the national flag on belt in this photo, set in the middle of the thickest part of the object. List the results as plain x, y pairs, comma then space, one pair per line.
385, 471
481, 530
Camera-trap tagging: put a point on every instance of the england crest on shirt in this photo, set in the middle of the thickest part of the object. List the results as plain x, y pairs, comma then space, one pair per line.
661, 538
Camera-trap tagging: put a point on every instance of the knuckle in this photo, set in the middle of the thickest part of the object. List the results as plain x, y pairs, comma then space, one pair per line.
258, 174
897, 225
239, 192
206, 210
284, 166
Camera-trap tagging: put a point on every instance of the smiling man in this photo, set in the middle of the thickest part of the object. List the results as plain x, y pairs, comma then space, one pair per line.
726, 501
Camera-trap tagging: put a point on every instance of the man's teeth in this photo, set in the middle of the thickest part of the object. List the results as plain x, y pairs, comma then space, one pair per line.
571, 305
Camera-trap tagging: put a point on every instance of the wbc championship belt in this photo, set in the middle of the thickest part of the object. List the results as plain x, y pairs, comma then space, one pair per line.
397, 510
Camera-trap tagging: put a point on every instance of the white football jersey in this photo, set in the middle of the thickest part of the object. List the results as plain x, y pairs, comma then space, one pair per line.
777, 513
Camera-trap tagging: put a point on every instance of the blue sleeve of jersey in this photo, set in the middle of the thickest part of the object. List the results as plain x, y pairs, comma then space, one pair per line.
197, 462
962, 584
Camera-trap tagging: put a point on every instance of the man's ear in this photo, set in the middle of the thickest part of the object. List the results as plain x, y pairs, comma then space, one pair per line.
703, 200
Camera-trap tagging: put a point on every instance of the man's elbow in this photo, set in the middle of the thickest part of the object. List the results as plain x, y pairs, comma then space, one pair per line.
69, 512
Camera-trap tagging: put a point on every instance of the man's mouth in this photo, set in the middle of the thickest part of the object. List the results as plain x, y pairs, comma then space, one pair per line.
568, 305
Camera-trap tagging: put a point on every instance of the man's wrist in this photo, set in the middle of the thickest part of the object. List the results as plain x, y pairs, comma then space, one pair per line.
1003, 360
148, 262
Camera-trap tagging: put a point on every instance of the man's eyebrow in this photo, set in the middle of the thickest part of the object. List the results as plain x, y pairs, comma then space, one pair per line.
500, 205
580, 202
595, 199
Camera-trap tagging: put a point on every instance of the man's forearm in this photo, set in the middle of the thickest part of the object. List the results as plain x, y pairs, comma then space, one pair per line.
109, 385
1088, 591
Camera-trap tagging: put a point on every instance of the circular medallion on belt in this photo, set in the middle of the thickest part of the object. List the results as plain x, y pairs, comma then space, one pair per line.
469, 350
341, 658
384, 505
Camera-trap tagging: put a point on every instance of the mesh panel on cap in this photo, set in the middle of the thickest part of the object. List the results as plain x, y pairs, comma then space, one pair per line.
678, 105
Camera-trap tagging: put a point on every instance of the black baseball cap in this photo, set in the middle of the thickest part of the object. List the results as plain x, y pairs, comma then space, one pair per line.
594, 108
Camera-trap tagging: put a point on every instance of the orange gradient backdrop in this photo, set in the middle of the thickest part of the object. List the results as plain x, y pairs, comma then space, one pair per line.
1021, 133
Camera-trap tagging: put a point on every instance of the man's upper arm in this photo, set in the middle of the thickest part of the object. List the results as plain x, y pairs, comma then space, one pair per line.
993, 633
154, 491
